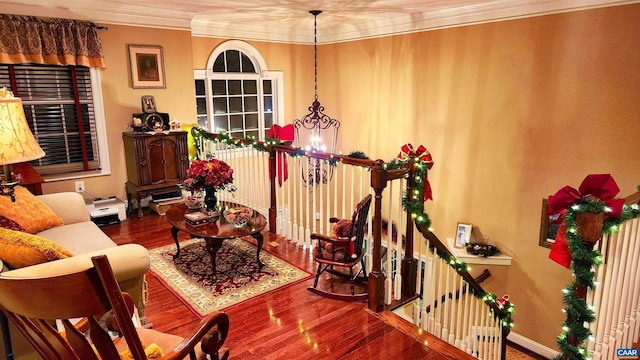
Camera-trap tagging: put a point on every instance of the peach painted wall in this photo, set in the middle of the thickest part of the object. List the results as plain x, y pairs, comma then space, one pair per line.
120, 100
511, 111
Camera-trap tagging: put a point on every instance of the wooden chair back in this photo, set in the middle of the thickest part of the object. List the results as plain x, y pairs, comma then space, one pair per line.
32, 304
359, 227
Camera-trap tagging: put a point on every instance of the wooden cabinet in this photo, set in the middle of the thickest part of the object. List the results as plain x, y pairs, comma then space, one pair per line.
155, 163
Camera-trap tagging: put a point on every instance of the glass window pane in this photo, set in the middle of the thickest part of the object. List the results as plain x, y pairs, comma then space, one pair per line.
250, 103
251, 121
268, 120
219, 87
236, 122
220, 123
268, 105
220, 105
202, 121
235, 87
218, 65
202, 106
266, 86
253, 133
235, 104
250, 87
247, 65
233, 60
200, 87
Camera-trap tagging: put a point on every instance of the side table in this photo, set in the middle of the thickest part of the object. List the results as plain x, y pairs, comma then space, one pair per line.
4, 326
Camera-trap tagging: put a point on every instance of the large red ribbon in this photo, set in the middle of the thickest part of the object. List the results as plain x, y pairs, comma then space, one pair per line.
286, 134
601, 186
422, 154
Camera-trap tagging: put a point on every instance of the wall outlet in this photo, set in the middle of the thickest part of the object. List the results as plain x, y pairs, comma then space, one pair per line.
80, 186
317, 216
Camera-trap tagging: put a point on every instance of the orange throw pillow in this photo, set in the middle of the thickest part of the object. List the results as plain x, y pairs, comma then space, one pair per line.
29, 211
19, 249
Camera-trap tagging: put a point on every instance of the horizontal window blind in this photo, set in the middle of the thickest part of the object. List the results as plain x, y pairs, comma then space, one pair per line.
58, 104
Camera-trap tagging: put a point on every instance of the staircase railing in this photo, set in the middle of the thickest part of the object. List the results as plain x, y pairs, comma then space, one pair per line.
299, 191
616, 298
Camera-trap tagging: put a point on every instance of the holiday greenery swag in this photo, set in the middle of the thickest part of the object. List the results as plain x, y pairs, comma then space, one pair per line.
413, 203
592, 205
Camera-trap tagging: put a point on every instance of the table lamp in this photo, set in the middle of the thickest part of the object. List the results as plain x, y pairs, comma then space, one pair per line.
17, 143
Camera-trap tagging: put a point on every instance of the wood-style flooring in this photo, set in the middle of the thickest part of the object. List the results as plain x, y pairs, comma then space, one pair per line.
288, 323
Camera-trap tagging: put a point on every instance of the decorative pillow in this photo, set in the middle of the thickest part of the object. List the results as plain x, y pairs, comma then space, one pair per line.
29, 212
7, 223
19, 249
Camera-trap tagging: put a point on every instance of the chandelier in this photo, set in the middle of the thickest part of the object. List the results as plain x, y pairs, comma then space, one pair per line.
316, 131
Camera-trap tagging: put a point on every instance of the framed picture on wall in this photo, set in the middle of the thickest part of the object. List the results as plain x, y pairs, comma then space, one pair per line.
549, 225
463, 234
146, 67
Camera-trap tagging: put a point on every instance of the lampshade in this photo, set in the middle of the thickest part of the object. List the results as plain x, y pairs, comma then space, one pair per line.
17, 143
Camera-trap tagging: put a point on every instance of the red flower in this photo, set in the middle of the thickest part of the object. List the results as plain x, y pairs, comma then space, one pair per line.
212, 172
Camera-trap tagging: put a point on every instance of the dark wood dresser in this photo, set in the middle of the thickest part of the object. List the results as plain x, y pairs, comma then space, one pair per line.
156, 163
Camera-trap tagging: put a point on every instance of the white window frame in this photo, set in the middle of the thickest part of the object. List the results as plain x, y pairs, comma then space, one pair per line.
263, 73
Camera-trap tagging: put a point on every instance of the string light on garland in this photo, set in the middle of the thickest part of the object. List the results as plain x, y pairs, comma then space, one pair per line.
584, 259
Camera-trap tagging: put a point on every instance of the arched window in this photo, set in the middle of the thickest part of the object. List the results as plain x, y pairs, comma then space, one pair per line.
237, 94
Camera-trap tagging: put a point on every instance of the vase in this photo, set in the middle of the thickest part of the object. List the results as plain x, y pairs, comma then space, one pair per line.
589, 226
210, 199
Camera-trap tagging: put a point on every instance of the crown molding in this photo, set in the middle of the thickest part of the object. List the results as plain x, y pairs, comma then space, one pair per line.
335, 25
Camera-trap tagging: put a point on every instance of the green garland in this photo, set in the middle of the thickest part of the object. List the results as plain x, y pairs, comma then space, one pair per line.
415, 206
584, 260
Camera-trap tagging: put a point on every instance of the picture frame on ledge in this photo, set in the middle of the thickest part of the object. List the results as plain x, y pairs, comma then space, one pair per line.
463, 235
147, 67
549, 226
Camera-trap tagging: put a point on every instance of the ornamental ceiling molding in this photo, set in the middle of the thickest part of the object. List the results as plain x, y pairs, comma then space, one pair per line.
286, 21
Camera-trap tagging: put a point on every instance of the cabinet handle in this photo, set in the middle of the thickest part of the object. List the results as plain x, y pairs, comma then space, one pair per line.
142, 162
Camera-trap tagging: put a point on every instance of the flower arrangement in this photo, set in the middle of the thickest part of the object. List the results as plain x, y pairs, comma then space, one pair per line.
209, 173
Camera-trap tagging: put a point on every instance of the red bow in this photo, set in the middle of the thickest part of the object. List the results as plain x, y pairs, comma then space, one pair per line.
406, 152
502, 302
284, 133
601, 186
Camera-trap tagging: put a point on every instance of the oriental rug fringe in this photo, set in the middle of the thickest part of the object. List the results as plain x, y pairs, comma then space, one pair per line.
239, 277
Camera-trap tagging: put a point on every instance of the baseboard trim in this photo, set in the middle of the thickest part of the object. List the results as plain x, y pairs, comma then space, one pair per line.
532, 345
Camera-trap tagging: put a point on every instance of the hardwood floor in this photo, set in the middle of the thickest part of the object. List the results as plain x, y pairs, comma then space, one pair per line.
288, 323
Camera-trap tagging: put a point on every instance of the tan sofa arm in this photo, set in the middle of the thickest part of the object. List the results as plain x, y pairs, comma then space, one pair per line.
127, 261
69, 206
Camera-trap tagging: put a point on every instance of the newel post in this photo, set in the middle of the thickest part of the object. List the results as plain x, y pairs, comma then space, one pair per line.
409, 269
376, 276
273, 211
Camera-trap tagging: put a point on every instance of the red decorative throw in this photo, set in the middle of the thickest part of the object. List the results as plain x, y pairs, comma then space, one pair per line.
423, 155
601, 186
284, 133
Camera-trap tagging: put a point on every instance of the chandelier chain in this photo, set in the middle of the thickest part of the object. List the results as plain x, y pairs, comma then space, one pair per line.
315, 56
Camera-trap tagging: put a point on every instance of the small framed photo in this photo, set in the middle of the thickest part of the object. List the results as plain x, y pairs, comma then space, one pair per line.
148, 104
463, 234
549, 226
147, 67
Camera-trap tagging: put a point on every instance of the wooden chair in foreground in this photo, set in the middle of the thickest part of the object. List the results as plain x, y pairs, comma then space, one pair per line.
346, 250
94, 297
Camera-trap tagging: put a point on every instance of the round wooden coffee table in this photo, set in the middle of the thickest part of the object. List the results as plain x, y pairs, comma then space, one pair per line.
215, 232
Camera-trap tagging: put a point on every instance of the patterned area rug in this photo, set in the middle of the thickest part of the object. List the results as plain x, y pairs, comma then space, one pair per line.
238, 274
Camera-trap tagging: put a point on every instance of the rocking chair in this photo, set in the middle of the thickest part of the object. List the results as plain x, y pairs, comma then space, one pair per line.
343, 250
93, 297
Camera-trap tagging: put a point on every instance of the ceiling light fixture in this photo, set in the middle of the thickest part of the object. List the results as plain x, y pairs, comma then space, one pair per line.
316, 130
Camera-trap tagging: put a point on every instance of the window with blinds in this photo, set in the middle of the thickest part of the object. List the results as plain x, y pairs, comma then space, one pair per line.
59, 106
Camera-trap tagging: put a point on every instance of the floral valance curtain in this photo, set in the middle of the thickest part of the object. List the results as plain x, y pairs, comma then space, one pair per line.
26, 39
